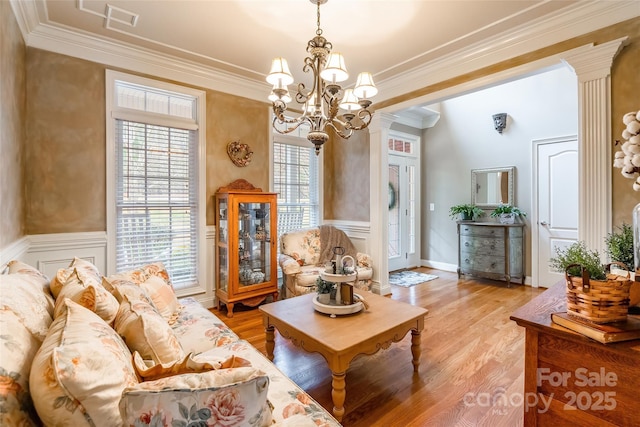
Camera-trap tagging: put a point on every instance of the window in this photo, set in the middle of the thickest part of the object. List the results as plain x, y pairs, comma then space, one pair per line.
296, 179
156, 190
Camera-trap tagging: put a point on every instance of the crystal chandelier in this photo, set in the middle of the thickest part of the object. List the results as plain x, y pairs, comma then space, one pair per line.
326, 104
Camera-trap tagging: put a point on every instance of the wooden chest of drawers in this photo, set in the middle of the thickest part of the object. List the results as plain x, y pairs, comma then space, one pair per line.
491, 250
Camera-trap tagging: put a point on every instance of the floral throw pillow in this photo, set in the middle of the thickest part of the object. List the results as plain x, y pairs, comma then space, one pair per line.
225, 397
79, 372
147, 332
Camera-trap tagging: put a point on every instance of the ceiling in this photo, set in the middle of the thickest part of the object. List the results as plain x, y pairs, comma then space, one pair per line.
239, 38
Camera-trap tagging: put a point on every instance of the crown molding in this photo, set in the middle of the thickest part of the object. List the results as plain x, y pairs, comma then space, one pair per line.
576, 20
573, 21
128, 57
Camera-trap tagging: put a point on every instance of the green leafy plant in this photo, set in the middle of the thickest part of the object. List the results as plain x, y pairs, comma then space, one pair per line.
620, 245
507, 209
578, 253
323, 287
465, 212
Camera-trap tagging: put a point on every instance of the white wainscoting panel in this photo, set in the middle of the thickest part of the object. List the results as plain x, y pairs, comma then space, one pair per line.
50, 252
358, 231
15, 251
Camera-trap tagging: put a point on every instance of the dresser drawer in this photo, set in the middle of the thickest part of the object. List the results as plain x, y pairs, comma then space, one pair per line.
489, 231
482, 263
476, 230
482, 245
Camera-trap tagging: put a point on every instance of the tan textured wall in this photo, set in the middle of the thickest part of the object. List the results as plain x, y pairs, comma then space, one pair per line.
346, 178
12, 116
231, 118
65, 146
66, 172
625, 97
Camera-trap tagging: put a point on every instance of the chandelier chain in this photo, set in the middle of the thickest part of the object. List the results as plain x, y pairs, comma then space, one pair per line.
319, 30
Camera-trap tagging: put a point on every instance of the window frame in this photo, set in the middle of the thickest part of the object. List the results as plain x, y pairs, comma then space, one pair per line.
299, 141
112, 114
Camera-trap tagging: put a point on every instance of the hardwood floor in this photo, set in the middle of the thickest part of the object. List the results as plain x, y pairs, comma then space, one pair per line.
472, 355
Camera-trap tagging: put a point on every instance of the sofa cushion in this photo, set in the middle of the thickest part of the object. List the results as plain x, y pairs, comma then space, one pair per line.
26, 295
144, 330
283, 394
79, 373
225, 397
163, 298
19, 267
303, 244
198, 329
84, 288
155, 280
121, 288
85, 270
18, 346
149, 371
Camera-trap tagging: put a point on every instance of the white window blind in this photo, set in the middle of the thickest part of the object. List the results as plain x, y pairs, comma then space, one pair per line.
296, 179
156, 182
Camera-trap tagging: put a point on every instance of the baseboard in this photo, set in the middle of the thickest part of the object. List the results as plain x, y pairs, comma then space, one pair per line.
439, 265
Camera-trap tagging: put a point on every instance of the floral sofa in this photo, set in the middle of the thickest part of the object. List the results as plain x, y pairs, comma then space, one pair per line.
305, 252
87, 350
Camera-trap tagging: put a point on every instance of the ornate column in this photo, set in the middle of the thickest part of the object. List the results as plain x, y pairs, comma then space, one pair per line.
378, 194
593, 69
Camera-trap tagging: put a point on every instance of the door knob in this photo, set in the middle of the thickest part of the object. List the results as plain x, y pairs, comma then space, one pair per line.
544, 223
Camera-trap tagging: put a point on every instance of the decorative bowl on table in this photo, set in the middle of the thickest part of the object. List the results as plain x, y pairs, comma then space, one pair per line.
338, 309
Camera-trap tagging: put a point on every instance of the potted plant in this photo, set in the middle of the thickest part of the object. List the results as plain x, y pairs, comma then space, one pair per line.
578, 253
620, 245
507, 214
324, 290
465, 212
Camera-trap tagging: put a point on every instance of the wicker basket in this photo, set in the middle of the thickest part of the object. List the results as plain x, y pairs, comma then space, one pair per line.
598, 301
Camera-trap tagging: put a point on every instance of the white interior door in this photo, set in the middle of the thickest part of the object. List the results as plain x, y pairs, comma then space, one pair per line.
403, 212
557, 203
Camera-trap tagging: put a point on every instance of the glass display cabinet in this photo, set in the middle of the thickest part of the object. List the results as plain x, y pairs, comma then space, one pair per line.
245, 245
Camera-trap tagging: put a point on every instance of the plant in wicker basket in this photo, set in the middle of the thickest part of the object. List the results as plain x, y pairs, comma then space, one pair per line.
578, 253
592, 294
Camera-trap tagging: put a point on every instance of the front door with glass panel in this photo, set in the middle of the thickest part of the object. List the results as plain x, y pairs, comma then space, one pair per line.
404, 202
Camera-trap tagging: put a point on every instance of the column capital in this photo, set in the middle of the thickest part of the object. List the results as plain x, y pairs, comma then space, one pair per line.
381, 120
595, 63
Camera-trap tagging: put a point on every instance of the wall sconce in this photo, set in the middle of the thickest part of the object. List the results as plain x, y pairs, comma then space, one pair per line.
500, 122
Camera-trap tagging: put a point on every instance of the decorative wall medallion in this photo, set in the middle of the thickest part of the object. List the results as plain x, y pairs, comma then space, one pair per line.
239, 153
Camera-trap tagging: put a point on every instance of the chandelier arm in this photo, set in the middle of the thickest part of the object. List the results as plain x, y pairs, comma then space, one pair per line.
364, 116
296, 122
340, 130
278, 111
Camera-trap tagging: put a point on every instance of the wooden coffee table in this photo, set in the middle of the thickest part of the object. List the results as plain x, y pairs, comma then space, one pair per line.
342, 338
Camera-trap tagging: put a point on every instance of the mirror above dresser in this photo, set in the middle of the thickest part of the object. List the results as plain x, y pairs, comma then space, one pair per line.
492, 187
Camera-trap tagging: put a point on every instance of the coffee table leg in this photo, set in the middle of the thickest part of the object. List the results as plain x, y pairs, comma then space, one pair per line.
270, 344
415, 349
338, 394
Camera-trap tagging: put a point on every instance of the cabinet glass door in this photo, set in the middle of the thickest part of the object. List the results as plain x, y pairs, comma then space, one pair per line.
254, 247
223, 238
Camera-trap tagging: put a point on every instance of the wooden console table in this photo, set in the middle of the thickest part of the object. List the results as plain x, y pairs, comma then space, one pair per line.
571, 380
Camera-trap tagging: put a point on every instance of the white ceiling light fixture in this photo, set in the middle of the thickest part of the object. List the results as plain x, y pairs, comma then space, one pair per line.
326, 104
